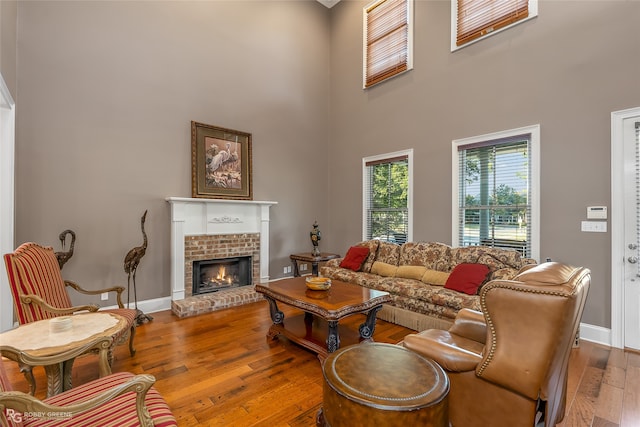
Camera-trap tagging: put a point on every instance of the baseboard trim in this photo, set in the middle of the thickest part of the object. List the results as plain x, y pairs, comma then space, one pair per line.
596, 334
148, 306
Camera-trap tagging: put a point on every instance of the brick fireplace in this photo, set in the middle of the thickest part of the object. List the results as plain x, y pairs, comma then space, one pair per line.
219, 249
221, 230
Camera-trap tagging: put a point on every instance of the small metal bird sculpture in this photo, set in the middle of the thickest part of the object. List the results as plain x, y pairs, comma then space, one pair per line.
63, 257
131, 261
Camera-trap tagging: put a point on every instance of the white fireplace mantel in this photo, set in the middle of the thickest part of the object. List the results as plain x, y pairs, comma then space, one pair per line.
193, 217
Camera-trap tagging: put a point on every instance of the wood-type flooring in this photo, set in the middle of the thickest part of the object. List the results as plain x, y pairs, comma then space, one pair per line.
219, 369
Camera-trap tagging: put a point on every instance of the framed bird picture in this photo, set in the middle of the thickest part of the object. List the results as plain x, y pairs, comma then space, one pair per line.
220, 163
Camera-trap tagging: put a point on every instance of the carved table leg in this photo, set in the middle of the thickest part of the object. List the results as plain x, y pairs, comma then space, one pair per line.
308, 323
369, 326
105, 359
54, 379
333, 339
276, 316
67, 367
28, 375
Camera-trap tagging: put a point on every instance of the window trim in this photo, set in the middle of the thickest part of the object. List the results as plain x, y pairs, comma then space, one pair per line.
389, 156
534, 131
409, 62
533, 13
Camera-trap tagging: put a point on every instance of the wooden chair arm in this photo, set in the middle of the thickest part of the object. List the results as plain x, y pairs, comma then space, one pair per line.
80, 289
34, 299
22, 402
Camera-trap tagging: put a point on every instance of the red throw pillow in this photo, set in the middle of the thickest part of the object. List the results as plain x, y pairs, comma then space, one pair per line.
467, 278
355, 257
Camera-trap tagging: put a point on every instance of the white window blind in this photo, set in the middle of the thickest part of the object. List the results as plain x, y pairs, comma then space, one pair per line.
386, 196
494, 195
637, 164
477, 18
387, 49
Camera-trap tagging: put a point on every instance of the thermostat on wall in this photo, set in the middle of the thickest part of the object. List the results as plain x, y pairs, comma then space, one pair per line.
596, 212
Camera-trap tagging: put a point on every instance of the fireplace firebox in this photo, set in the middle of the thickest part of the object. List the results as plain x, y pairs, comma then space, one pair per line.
222, 273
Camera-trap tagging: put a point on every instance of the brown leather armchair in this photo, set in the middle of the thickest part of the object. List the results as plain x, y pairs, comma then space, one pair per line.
508, 365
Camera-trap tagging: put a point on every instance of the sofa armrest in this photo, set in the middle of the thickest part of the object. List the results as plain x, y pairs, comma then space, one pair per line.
335, 262
453, 353
470, 324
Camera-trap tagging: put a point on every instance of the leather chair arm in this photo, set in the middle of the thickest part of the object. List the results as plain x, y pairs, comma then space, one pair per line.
470, 324
454, 354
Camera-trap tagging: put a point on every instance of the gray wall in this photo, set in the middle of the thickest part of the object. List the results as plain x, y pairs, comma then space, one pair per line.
566, 70
107, 91
8, 19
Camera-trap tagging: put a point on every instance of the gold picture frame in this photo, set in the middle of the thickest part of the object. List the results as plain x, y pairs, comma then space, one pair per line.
220, 163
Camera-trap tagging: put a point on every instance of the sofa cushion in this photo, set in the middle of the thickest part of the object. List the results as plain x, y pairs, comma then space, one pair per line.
411, 271
432, 255
417, 295
467, 278
388, 253
383, 269
435, 277
355, 257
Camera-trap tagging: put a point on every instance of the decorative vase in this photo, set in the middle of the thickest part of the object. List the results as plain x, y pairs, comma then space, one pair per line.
315, 238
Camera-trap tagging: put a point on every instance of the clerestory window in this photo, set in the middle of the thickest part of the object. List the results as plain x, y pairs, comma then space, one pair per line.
472, 20
388, 40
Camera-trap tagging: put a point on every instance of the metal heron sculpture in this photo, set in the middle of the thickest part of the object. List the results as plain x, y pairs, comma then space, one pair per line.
131, 261
62, 256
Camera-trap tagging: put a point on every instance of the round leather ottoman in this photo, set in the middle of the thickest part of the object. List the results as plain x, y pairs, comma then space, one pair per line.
375, 384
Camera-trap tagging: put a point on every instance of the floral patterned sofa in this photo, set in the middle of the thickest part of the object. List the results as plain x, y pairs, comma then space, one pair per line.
425, 279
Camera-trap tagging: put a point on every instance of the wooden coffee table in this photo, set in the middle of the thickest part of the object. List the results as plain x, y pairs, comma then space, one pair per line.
317, 327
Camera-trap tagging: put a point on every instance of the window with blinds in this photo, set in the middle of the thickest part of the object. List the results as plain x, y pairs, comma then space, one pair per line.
475, 19
388, 40
495, 184
387, 197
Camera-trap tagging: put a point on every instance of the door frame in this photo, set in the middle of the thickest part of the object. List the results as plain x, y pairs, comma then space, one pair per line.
617, 224
7, 198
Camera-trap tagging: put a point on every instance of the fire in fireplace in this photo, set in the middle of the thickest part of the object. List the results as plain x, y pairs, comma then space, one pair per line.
222, 273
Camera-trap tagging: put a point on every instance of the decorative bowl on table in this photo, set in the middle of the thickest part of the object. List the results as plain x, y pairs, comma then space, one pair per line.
60, 324
318, 283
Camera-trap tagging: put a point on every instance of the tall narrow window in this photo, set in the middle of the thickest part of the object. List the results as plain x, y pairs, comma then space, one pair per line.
387, 197
388, 39
474, 19
496, 191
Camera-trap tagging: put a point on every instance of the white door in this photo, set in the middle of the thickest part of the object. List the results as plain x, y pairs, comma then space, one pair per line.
631, 262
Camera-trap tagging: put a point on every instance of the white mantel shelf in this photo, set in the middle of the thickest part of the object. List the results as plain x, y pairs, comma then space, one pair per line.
219, 201
194, 217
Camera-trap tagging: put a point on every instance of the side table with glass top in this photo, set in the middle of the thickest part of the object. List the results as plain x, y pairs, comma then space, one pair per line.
30, 343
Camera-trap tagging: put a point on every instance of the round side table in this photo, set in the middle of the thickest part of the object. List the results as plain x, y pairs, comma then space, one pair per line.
376, 384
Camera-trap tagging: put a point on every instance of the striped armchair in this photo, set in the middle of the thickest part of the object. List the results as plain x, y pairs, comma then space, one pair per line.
39, 291
122, 399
